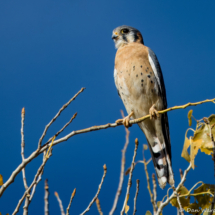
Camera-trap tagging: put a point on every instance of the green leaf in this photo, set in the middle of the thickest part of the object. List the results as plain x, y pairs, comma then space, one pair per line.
148, 213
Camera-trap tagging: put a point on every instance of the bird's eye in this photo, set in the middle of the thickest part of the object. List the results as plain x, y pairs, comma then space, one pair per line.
124, 31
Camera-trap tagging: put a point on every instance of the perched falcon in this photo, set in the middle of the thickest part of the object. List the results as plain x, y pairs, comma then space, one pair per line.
140, 85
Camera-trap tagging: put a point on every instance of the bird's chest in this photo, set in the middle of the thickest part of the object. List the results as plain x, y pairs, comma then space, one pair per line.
135, 80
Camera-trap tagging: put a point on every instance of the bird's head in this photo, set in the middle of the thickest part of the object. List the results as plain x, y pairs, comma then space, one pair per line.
124, 34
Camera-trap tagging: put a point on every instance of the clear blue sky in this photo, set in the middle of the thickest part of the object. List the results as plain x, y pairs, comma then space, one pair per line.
50, 49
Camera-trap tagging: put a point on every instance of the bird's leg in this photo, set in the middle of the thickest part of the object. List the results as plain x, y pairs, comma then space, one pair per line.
153, 112
125, 120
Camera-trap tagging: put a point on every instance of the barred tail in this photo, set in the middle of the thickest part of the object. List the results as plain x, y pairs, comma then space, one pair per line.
162, 163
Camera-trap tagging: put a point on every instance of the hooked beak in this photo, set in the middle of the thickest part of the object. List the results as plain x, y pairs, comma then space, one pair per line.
114, 36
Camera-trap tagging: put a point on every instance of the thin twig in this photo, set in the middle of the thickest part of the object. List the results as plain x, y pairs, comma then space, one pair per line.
93, 128
99, 206
121, 179
29, 189
25, 208
98, 191
154, 188
135, 198
23, 146
46, 198
179, 203
181, 173
30, 196
60, 203
149, 187
38, 178
130, 176
70, 202
181, 176
61, 130
36, 152
163, 204
56, 116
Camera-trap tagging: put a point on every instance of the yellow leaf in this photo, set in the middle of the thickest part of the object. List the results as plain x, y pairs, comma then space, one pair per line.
1, 180
126, 206
202, 134
206, 151
207, 211
189, 116
158, 205
207, 148
185, 153
185, 201
126, 209
148, 213
193, 208
195, 146
204, 200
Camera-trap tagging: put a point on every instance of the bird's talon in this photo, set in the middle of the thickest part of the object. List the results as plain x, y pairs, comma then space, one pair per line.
153, 112
126, 120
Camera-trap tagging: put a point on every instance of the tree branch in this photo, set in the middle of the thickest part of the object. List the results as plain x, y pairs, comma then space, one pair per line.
60, 203
57, 115
122, 172
32, 184
99, 189
99, 206
135, 198
73, 133
23, 147
70, 202
46, 198
130, 176
163, 204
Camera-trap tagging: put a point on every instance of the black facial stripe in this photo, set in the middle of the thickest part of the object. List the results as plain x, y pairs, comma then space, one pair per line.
135, 35
124, 38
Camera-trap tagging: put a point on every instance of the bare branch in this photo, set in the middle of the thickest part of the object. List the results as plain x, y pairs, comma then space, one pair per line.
154, 188
46, 198
73, 117
122, 172
130, 176
163, 204
135, 198
57, 115
179, 203
30, 196
29, 189
112, 125
60, 203
181, 173
23, 146
148, 185
73, 133
99, 189
99, 206
38, 178
36, 152
70, 202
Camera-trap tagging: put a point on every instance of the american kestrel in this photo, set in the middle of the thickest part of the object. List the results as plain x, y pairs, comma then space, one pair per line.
140, 85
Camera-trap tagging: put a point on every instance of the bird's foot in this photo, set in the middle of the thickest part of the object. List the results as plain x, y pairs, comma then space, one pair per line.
125, 120
153, 112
